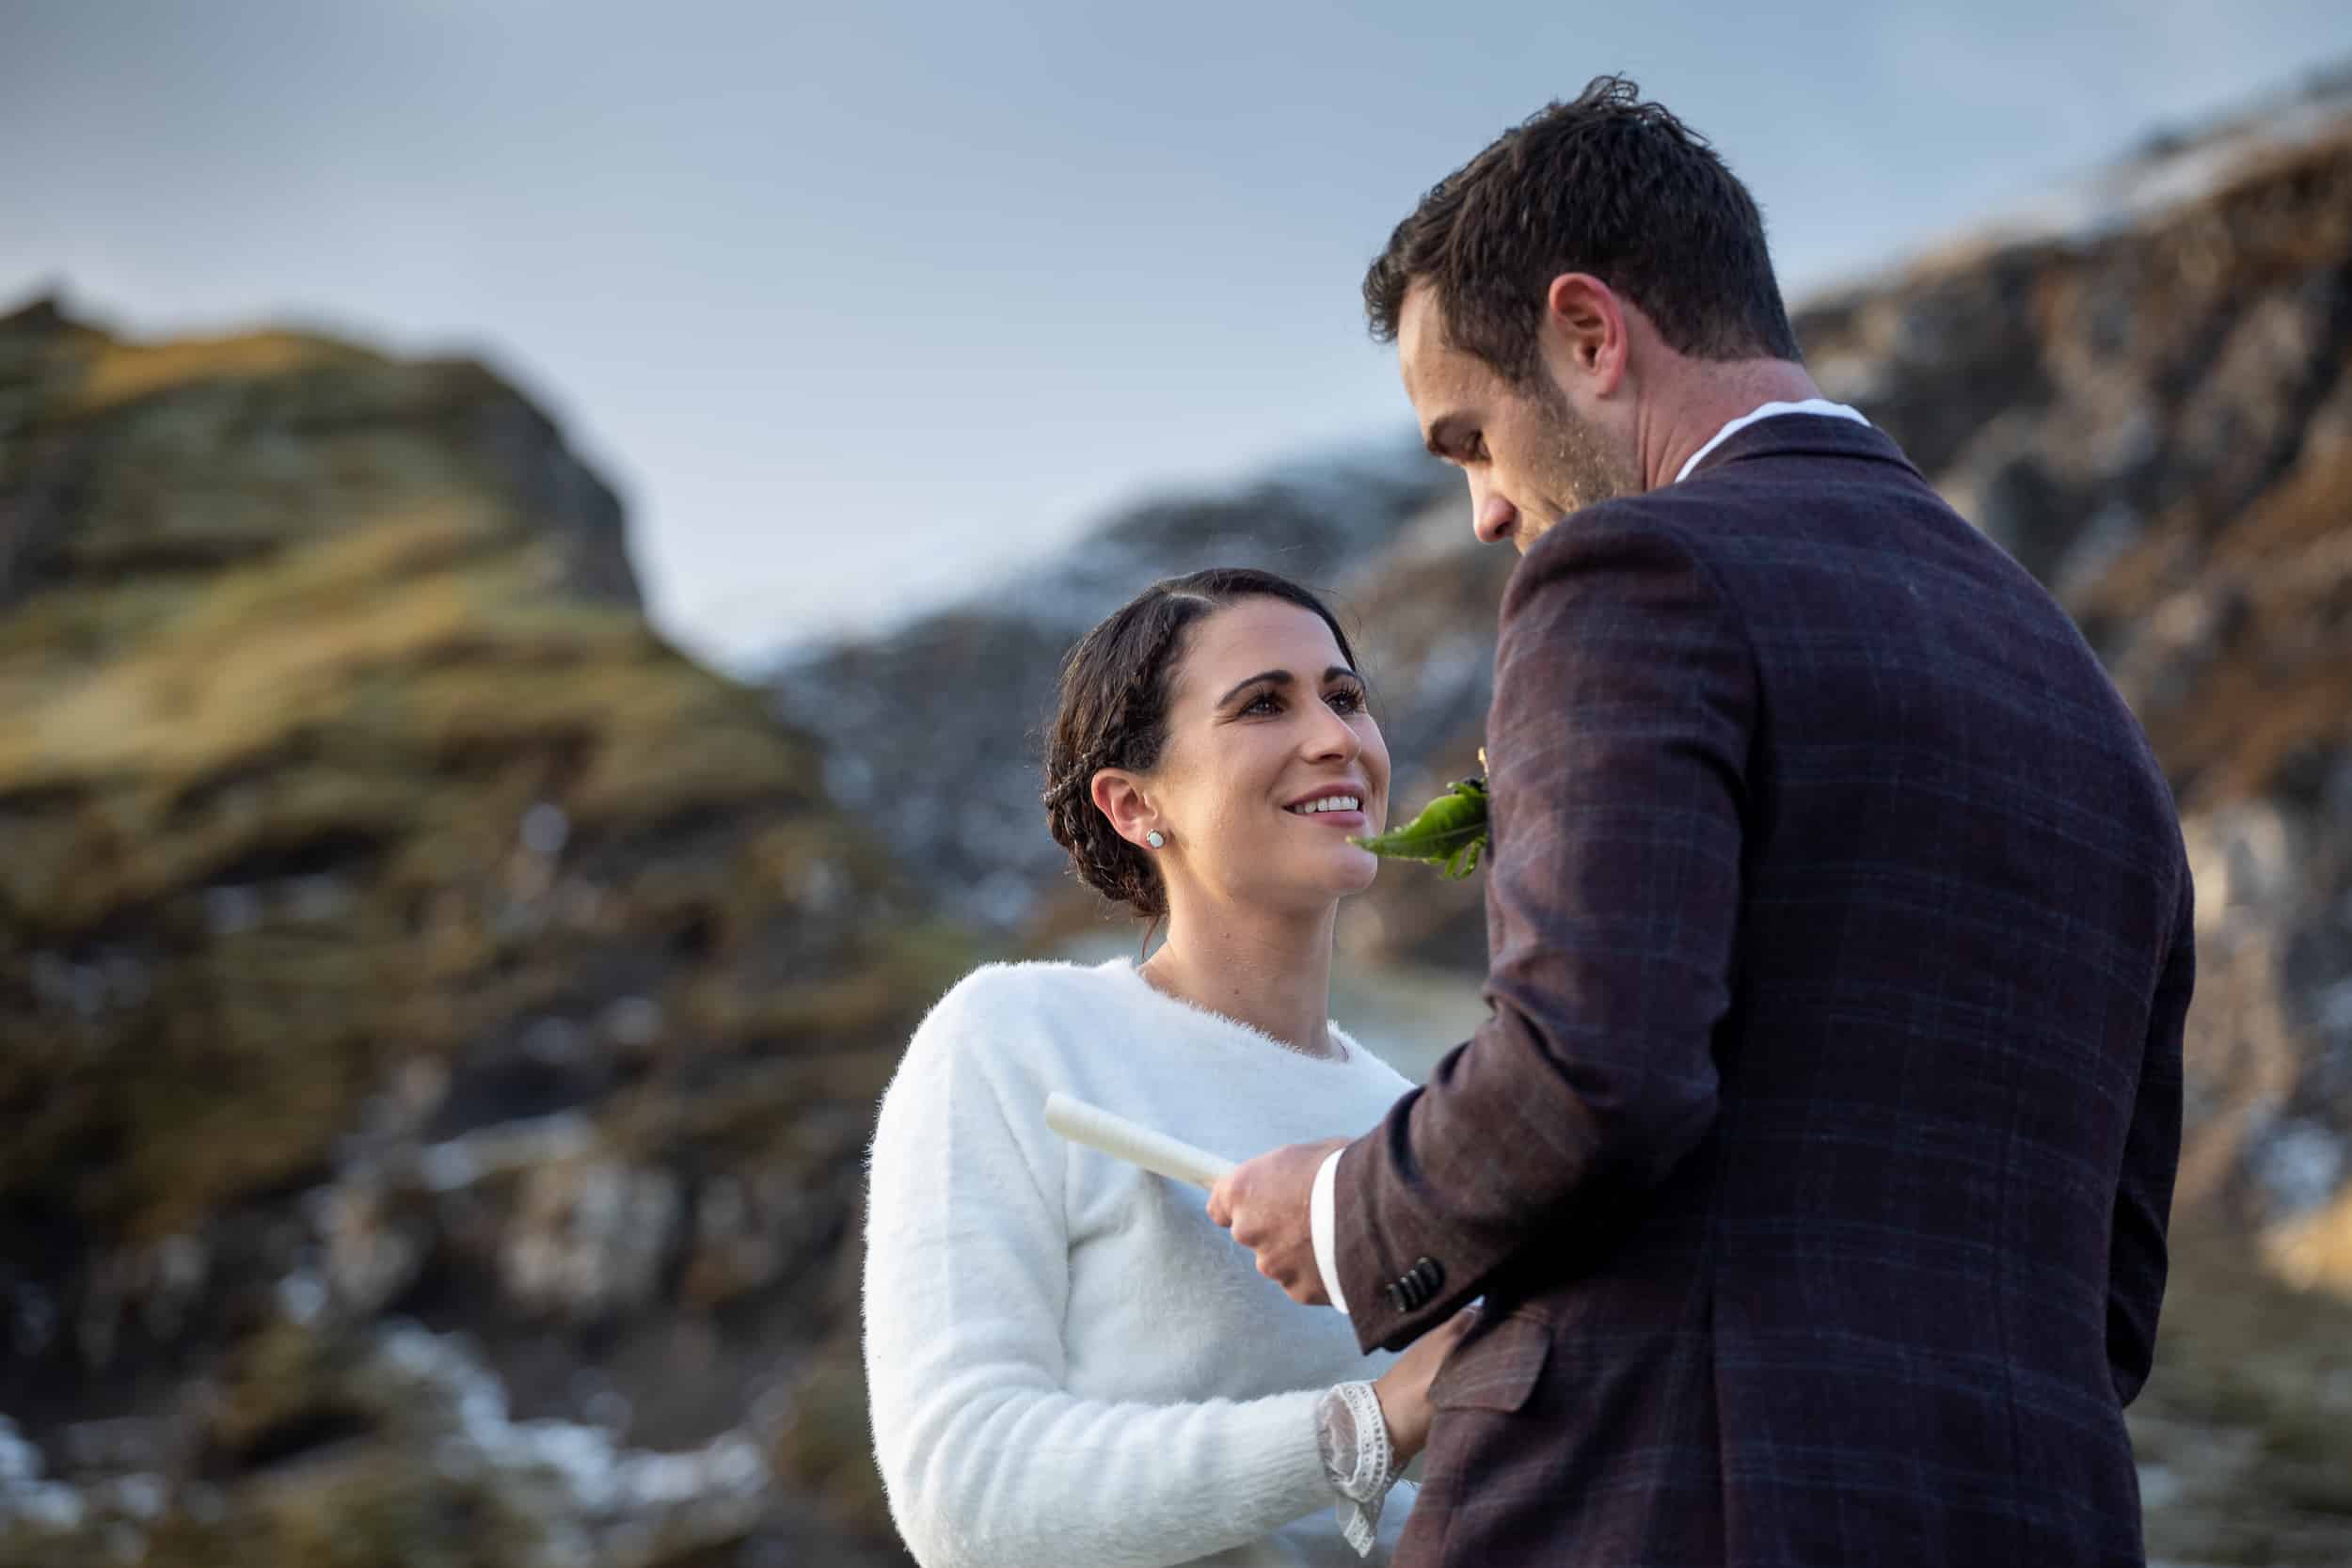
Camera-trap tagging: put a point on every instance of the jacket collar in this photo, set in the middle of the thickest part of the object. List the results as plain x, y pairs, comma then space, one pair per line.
1803, 435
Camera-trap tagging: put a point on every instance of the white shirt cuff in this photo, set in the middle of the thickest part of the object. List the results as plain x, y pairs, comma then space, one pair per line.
1323, 1224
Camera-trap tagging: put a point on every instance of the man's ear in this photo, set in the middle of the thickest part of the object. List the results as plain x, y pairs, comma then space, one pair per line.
1585, 337
1118, 795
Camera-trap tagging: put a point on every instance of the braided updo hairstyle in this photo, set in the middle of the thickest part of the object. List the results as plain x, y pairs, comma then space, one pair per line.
1112, 713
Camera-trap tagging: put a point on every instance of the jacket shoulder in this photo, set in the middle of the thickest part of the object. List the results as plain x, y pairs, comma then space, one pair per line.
1587, 557
1656, 530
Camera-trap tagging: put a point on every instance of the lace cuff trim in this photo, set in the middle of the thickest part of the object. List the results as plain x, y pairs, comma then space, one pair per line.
1353, 1441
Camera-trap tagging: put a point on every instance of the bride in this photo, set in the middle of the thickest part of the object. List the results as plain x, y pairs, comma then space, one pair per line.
1069, 1365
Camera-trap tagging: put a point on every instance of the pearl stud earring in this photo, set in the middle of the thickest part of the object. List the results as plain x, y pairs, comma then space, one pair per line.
1157, 839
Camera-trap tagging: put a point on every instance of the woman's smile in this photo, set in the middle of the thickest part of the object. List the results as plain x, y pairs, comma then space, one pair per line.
1337, 808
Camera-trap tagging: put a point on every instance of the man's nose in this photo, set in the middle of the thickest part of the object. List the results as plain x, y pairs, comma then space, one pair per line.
1492, 517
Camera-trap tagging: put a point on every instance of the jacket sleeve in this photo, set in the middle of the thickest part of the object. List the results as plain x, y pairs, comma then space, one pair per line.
1624, 702
2137, 1258
988, 1460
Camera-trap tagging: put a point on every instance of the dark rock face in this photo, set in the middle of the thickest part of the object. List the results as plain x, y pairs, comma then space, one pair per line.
2172, 462
937, 731
2171, 458
2147, 401
440, 1023
121, 459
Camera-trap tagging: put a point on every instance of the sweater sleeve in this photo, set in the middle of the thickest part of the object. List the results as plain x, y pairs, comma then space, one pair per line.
987, 1459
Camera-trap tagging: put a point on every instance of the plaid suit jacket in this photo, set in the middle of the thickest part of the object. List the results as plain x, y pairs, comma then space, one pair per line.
1816, 1155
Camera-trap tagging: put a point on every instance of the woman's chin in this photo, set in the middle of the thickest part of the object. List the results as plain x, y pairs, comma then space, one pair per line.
1352, 871
1336, 877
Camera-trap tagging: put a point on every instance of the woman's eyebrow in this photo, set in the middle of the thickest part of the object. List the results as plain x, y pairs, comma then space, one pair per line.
1270, 677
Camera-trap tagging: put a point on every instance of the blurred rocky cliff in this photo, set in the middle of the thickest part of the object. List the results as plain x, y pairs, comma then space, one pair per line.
943, 721
439, 1023
2143, 392
2141, 388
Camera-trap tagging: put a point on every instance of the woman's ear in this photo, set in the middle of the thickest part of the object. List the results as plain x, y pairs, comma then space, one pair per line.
1119, 796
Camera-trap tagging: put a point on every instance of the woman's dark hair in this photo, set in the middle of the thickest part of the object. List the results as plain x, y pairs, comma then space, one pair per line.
1112, 713
1607, 184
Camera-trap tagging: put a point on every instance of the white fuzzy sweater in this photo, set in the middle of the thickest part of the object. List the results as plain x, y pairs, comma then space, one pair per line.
1069, 1365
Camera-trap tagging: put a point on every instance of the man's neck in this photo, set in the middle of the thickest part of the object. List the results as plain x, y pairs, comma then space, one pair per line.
1707, 395
1271, 971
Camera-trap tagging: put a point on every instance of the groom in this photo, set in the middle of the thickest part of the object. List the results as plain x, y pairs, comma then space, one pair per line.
1814, 1161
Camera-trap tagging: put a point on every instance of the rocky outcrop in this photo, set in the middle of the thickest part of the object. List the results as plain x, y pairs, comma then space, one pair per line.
2157, 420
439, 1022
2143, 392
2173, 456
938, 727
2150, 406
171, 459
439, 1025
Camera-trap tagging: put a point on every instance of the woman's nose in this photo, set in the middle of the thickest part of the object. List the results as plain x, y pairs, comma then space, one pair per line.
1334, 737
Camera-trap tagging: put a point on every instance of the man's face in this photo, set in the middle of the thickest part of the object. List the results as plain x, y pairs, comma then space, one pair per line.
1529, 456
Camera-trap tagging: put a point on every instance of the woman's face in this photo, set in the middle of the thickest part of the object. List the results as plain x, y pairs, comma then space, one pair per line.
1266, 719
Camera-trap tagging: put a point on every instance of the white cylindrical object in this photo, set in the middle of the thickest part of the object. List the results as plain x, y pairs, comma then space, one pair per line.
1121, 1139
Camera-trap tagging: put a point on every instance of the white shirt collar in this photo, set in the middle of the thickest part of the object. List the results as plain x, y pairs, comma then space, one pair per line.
1810, 405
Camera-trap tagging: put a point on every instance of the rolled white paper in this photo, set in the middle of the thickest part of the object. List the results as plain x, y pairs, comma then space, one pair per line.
1121, 1139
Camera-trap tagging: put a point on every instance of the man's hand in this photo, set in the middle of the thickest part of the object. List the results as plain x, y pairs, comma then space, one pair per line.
1403, 1390
1263, 1203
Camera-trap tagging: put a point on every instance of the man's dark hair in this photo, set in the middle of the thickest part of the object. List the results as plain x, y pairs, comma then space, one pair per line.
1608, 185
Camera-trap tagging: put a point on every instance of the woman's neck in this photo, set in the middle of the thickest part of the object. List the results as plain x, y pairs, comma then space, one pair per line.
1270, 972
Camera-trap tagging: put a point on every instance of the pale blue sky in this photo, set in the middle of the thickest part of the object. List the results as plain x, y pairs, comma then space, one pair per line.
860, 304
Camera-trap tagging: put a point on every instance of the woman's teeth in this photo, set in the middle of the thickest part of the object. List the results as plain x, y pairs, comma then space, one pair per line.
1329, 802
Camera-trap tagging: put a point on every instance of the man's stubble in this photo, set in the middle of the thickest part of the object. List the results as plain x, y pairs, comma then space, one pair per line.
1580, 467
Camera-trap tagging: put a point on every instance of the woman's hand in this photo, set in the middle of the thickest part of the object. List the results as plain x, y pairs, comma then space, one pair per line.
1404, 1388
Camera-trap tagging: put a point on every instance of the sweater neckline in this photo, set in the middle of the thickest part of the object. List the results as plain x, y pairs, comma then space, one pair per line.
1349, 1050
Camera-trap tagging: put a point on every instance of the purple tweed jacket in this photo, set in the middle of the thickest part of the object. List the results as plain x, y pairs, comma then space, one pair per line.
1816, 1156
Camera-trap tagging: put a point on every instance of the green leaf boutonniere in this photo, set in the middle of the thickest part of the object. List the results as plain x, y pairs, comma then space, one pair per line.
1450, 834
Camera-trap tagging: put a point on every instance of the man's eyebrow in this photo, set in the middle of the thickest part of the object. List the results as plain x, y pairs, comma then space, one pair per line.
1282, 678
